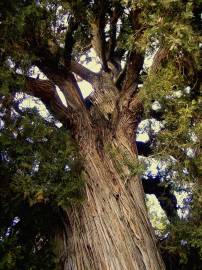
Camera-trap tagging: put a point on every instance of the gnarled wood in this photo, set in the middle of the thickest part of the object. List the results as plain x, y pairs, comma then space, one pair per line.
111, 229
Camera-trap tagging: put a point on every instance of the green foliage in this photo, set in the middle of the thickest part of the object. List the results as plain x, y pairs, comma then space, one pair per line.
180, 110
173, 86
43, 165
162, 86
169, 23
41, 172
26, 243
185, 236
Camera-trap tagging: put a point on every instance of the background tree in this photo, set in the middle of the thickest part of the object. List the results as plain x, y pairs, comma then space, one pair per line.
110, 229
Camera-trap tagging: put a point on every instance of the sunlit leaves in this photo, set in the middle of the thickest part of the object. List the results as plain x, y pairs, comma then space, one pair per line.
38, 161
169, 23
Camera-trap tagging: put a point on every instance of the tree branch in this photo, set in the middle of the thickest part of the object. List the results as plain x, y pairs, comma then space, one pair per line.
98, 41
134, 66
77, 119
112, 59
46, 91
159, 57
50, 63
74, 66
129, 102
98, 31
69, 41
116, 13
84, 72
135, 57
66, 82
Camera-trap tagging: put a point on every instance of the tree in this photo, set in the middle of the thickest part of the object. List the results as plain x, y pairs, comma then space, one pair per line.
110, 229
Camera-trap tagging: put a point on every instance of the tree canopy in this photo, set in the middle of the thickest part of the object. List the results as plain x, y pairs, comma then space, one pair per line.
41, 167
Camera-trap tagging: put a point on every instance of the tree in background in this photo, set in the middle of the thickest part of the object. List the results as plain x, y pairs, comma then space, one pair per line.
47, 171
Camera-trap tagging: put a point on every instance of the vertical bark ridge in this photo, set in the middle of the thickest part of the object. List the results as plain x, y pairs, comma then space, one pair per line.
111, 229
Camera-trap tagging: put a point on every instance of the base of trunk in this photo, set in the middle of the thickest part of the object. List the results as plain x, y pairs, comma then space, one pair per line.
111, 229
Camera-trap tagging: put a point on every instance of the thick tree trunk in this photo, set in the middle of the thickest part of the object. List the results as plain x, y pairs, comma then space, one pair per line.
111, 229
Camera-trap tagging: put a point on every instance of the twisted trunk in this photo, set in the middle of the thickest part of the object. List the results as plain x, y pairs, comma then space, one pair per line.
111, 229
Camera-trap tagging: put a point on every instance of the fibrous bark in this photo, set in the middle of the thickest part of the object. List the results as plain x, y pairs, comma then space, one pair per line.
111, 229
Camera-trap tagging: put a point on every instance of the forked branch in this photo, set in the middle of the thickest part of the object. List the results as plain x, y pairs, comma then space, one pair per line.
45, 90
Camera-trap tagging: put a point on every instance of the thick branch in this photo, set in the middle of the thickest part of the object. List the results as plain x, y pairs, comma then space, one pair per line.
69, 41
134, 66
98, 41
65, 80
75, 119
159, 57
135, 57
129, 102
84, 72
70, 64
113, 61
46, 91
98, 31
113, 29
49, 62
